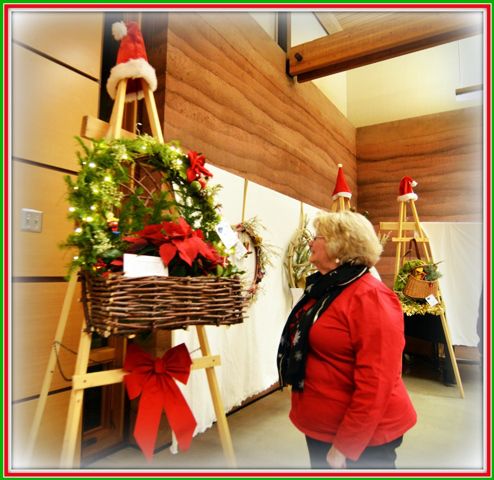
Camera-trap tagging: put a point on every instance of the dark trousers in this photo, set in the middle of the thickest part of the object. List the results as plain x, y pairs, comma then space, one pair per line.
382, 456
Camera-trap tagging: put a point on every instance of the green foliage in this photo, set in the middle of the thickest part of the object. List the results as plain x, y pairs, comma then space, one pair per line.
105, 207
430, 272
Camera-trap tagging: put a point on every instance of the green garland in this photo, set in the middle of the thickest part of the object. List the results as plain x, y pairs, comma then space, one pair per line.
104, 210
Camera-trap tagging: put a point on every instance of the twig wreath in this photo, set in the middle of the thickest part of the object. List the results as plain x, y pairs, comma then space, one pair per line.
171, 213
262, 252
297, 263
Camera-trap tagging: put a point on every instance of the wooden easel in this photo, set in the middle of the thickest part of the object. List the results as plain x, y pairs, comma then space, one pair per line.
406, 232
340, 204
95, 128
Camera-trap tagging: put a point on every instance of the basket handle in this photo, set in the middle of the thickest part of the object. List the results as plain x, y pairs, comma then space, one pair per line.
413, 245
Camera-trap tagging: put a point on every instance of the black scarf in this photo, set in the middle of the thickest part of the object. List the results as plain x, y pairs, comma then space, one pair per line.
324, 289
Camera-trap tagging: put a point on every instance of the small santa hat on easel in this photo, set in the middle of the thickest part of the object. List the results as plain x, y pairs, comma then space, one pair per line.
132, 62
341, 189
406, 189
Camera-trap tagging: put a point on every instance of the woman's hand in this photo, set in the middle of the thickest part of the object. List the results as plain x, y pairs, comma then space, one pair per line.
335, 458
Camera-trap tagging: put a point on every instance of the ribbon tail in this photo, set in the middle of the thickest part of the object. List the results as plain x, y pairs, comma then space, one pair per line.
179, 415
147, 424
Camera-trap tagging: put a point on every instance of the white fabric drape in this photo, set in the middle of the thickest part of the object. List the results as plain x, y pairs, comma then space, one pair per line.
247, 350
458, 246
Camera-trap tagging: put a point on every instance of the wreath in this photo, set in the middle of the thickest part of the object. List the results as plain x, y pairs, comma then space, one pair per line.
297, 263
167, 208
261, 251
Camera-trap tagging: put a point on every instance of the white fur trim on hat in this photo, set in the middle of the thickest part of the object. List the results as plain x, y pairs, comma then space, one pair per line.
407, 196
342, 194
135, 68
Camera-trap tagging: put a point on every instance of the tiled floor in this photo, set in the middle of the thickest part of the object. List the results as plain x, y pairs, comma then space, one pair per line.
448, 434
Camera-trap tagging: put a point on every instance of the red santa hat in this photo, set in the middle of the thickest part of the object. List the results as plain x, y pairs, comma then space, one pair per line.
132, 62
341, 189
406, 190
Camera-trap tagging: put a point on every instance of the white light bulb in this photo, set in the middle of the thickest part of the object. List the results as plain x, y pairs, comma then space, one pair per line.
89, 219
92, 207
92, 165
76, 257
78, 230
71, 209
107, 178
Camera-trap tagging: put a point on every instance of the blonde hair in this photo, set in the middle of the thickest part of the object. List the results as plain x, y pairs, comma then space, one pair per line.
350, 237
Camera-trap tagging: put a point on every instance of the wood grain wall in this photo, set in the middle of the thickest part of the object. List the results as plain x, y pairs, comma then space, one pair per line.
228, 96
55, 81
441, 152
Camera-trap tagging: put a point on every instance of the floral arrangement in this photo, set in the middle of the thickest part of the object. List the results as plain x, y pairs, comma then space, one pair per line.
262, 252
297, 263
172, 215
421, 270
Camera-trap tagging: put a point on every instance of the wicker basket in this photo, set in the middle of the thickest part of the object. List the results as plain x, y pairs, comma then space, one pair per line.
417, 288
117, 305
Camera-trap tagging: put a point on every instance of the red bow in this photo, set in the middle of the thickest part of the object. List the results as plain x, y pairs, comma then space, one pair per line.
197, 168
152, 378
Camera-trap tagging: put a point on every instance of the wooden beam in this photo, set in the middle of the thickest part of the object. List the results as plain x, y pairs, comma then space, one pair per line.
396, 226
110, 377
389, 35
93, 127
329, 22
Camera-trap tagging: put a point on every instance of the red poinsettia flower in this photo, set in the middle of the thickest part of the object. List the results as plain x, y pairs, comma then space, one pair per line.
172, 238
188, 243
196, 170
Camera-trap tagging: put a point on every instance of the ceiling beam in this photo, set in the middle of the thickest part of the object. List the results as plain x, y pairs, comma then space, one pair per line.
388, 36
329, 22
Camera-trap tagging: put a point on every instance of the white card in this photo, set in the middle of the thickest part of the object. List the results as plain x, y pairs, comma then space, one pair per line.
240, 250
226, 234
431, 300
143, 266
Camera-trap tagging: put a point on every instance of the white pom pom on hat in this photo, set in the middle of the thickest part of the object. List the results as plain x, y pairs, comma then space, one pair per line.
341, 188
119, 30
132, 62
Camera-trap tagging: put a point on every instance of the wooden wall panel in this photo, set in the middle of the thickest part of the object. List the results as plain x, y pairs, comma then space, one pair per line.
52, 56
49, 445
36, 309
49, 102
39, 254
72, 38
442, 152
229, 97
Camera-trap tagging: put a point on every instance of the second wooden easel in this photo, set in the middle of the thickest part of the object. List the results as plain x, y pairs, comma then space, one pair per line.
81, 380
407, 231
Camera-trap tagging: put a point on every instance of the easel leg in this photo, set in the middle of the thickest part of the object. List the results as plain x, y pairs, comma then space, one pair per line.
400, 234
152, 112
50, 369
223, 430
420, 230
452, 355
75, 405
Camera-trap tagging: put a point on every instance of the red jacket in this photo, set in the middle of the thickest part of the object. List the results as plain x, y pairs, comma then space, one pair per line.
353, 394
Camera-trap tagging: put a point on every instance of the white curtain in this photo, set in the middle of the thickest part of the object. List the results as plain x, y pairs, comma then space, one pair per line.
458, 246
247, 350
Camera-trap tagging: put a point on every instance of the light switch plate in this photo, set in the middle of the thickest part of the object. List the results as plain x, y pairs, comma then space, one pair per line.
31, 220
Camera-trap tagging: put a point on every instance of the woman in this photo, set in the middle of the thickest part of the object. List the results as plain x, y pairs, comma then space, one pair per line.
341, 350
